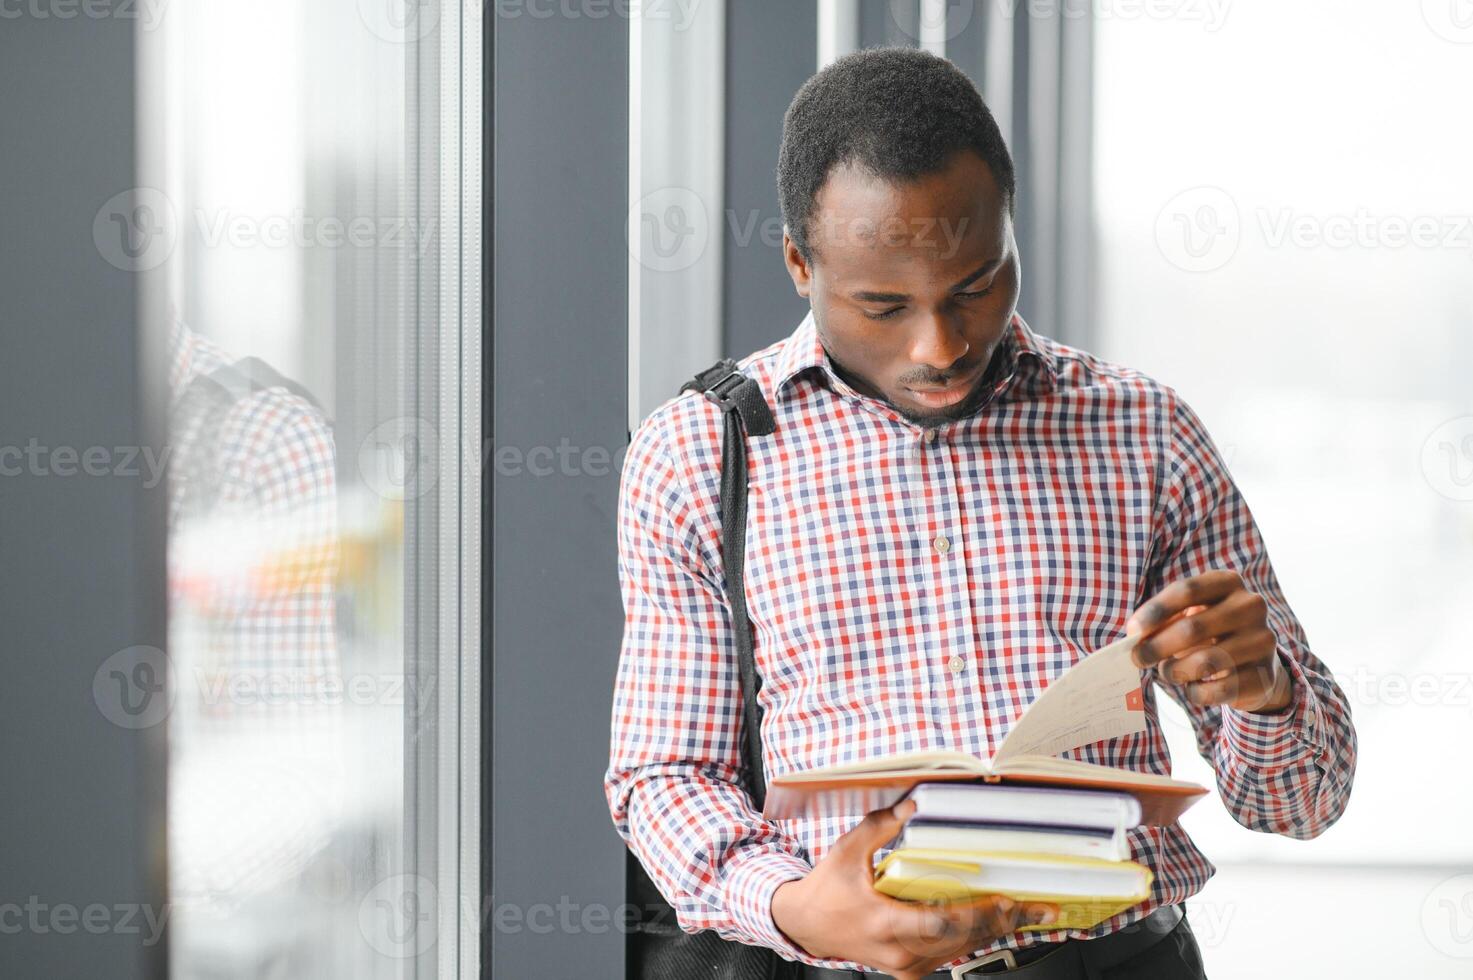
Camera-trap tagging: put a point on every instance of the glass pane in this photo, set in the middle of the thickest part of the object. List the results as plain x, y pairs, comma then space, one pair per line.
298, 174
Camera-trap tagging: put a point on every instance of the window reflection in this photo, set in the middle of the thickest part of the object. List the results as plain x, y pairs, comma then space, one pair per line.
254, 565
293, 148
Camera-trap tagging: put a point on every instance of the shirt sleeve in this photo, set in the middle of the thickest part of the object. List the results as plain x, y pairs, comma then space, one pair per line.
1286, 773
674, 780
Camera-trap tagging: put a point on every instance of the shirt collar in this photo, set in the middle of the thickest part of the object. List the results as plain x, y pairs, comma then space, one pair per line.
1028, 366
190, 356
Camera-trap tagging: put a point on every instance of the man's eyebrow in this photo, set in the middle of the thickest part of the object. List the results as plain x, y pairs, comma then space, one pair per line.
985, 268
869, 297
865, 296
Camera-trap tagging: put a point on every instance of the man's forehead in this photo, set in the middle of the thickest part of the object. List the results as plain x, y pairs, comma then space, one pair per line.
858, 211
942, 248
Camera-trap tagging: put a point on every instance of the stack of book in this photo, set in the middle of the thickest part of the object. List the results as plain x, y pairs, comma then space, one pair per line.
1025, 822
1029, 843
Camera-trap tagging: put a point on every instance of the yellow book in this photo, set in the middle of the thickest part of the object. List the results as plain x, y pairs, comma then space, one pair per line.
1087, 890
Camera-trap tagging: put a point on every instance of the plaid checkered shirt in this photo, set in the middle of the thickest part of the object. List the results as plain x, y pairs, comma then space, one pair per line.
266, 616
914, 589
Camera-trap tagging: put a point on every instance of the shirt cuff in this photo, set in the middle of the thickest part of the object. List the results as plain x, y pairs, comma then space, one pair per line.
1284, 738
751, 879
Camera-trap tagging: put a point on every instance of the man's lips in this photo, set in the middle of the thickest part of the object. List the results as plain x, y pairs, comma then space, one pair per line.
945, 397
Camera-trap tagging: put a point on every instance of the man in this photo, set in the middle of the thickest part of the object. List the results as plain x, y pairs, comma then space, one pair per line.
952, 511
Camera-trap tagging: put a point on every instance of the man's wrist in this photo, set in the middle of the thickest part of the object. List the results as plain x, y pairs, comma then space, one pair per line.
788, 907
752, 880
1281, 699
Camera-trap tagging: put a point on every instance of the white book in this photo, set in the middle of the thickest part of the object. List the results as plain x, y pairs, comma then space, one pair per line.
1025, 804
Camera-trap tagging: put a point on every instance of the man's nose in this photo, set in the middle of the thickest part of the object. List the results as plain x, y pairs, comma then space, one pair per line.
938, 343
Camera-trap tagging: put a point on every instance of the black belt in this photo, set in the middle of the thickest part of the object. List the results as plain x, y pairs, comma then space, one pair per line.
1070, 959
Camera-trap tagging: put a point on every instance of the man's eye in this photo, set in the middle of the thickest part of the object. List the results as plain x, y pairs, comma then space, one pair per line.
974, 294
884, 314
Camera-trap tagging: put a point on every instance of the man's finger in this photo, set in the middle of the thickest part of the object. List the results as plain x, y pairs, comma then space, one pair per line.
1246, 687
1199, 590
951, 929
1202, 663
1178, 617
925, 931
988, 921
1211, 662
1237, 611
877, 829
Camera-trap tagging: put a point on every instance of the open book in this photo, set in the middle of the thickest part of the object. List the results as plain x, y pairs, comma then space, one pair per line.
1099, 698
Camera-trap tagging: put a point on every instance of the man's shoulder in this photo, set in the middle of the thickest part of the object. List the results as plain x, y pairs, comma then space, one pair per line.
689, 422
1102, 390
1081, 374
677, 448
264, 431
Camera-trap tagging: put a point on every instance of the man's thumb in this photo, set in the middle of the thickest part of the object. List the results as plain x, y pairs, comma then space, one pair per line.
879, 826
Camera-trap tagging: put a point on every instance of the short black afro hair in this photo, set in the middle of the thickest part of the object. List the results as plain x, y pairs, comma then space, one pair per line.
898, 113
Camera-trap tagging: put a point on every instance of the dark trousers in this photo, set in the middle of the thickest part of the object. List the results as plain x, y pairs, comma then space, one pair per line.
1175, 957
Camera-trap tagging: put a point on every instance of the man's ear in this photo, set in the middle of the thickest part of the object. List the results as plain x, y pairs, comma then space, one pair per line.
798, 267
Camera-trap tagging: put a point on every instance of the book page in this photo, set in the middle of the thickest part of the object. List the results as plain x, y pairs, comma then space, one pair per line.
1023, 766
1098, 698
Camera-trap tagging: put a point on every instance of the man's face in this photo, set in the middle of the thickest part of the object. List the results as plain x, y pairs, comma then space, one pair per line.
912, 284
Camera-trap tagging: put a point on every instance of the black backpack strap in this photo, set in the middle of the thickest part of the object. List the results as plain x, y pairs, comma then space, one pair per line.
725, 384
742, 404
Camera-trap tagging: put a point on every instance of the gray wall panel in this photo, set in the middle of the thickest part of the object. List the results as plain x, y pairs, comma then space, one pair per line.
559, 120
889, 23
81, 574
772, 48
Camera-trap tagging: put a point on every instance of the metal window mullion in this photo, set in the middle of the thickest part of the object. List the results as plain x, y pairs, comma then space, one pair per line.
838, 29
448, 487
471, 120
932, 31
636, 191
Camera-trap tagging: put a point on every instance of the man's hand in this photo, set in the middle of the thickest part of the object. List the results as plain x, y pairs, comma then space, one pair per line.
835, 912
1210, 636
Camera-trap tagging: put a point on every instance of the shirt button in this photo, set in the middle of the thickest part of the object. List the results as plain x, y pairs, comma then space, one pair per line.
941, 544
930, 435
955, 664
